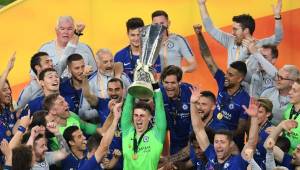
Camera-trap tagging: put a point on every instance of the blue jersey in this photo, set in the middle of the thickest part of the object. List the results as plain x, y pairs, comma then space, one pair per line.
287, 162
103, 110
198, 164
229, 108
260, 154
34, 105
72, 162
178, 117
8, 119
90, 164
71, 95
234, 162
129, 60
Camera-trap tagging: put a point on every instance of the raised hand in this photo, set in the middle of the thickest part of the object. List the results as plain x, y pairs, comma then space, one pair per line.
269, 144
80, 27
5, 149
11, 61
250, 44
197, 28
26, 120
52, 127
288, 125
87, 70
202, 2
117, 110
277, 8
253, 108
195, 94
117, 153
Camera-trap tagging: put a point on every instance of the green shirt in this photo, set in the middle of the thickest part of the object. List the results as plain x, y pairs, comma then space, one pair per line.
73, 120
294, 136
151, 145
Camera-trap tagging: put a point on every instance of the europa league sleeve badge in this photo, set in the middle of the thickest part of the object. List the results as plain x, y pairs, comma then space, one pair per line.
220, 116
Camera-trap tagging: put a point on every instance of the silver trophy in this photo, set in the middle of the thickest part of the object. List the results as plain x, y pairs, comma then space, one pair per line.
151, 37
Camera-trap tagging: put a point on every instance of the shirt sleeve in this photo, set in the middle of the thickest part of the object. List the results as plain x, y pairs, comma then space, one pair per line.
49, 157
126, 117
219, 35
24, 97
274, 39
185, 48
210, 152
266, 65
90, 164
160, 126
220, 78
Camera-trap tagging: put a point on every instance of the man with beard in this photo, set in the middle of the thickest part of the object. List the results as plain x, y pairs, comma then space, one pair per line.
104, 107
219, 155
79, 158
41, 61
173, 47
58, 112
243, 27
129, 55
65, 30
70, 88
38, 141
206, 106
98, 81
279, 95
49, 81
228, 113
176, 95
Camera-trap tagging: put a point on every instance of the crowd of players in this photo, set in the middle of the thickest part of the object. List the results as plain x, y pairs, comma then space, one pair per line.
75, 113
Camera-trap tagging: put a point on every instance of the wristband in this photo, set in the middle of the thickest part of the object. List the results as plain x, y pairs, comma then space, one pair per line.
21, 129
277, 18
78, 33
155, 86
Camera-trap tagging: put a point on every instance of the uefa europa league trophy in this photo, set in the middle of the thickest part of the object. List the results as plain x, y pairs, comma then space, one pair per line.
151, 37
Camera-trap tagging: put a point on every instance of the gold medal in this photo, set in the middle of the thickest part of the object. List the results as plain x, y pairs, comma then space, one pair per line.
134, 156
117, 133
219, 115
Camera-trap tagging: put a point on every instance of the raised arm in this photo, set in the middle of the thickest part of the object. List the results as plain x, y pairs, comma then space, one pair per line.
8, 68
220, 36
278, 35
160, 126
127, 114
107, 138
253, 131
91, 98
64, 147
198, 125
23, 125
269, 144
205, 52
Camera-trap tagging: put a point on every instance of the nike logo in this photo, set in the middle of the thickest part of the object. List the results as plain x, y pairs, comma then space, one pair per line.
126, 64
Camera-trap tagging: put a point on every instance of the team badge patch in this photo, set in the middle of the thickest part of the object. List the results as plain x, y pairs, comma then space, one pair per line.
185, 107
219, 115
170, 45
145, 138
231, 106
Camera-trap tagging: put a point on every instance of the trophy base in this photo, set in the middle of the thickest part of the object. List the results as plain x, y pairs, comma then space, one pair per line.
141, 90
